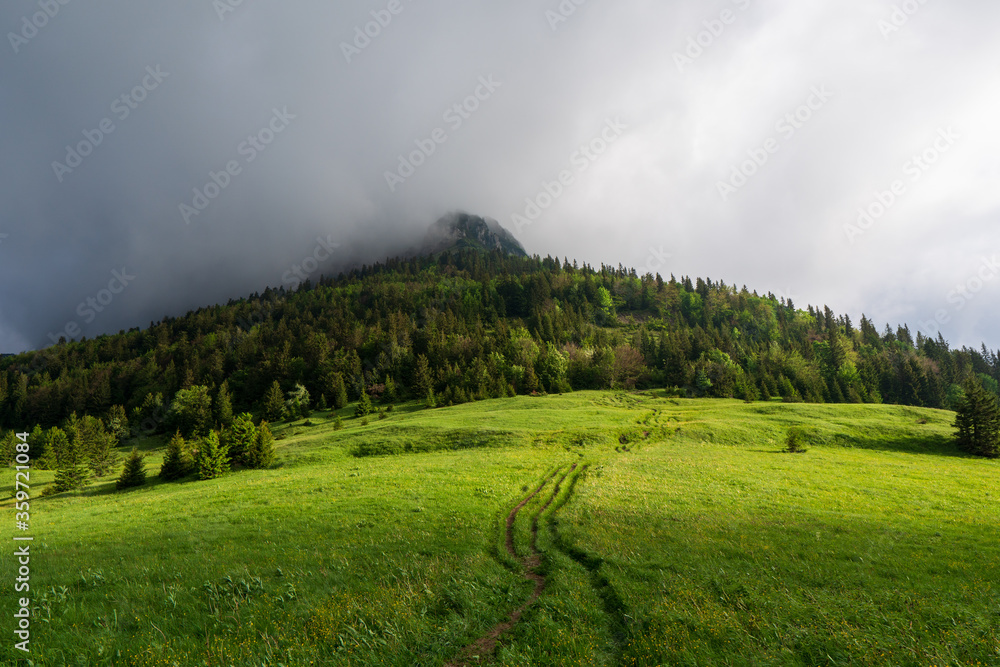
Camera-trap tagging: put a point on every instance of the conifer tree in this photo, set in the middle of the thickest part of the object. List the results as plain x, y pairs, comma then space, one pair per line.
261, 452
118, 423
70, 473
134, 473
240, 438
175, 464
364, 407
422, 377
274, 403
102, 454
224, 405
339, 391
213, 459
978, 421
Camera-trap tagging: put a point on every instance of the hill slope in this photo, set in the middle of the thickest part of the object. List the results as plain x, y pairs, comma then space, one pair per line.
682, 536
470, 324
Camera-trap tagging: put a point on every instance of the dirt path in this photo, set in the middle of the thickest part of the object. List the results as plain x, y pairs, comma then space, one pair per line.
485, 645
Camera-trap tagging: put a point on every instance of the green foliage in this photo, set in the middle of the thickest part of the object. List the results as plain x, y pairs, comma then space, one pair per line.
261, 453
191, 411
175, 461
117, 423
978, 421
364, 406
339, 391
134, 472
795, 441
70, 473
223, 406
297, 402
239, 438
338, 423
274, 403
213, 458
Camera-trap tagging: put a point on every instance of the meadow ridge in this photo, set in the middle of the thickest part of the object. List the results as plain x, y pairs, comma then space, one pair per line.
668, 531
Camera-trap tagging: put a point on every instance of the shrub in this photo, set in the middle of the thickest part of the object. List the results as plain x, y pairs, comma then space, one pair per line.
795, 441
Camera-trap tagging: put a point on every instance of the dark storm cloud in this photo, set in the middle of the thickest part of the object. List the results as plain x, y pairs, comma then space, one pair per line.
286, 118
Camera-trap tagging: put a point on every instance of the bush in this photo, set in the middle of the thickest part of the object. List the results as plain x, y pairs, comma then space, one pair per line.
795, 441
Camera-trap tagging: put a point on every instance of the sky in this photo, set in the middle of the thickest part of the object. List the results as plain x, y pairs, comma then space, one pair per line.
159, 157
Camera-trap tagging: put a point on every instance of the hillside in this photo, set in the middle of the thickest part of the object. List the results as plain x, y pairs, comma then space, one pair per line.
669, 531
468, 325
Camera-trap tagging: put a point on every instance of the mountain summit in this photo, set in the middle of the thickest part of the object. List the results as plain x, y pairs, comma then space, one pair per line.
460, 231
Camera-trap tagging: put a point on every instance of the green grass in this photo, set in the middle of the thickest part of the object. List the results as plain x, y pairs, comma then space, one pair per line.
683, 537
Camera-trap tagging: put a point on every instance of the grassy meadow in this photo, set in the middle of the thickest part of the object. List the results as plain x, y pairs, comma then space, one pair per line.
682, 536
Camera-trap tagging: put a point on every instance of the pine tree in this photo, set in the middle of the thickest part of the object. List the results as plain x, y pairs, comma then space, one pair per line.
339, 391
118, 423
134, 473
213, 459
224, 405
70, 473
261, 452
175, 464
364, 407
102, 454
422, 377
978, 422
274, 403
239, 438
321, 405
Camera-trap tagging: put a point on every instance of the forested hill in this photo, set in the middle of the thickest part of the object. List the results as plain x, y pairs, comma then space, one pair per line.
471, 325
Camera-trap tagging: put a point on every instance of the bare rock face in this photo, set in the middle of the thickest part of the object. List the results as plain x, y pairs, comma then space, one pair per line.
458, 231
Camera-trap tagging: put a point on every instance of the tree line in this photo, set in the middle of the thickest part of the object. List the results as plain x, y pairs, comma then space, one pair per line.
469, 325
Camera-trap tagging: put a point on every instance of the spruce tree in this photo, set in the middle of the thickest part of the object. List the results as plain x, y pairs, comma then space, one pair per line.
274, 403
117, 423
339, 392
102, 454
70, 474
240, 438
134, 473
422, 377
213, 459
175, 464
978, 421
224, 405
261, 452
364, 407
